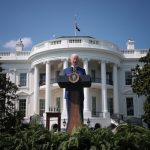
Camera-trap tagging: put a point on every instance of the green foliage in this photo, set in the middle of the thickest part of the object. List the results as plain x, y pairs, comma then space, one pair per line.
79, 139
141, 80
131, 137
9, 118
102, 139
38, 138
33, 138
146, 115
141, 84
35, 119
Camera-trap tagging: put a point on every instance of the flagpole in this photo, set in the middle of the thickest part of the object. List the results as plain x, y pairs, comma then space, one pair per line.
75, 31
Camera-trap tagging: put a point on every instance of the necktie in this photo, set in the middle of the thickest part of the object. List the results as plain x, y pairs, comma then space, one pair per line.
74, 69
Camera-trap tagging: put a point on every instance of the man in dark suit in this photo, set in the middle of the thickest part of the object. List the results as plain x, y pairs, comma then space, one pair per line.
67, 71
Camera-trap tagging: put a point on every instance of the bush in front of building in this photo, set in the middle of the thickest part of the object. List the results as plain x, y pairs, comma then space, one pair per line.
141, 84
9, 117
131, 137
36, 137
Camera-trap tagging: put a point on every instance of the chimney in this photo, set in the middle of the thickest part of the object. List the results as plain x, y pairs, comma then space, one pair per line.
19, 46
130, 44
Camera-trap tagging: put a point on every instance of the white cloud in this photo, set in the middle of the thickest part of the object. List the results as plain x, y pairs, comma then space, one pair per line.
11, 44
27, 41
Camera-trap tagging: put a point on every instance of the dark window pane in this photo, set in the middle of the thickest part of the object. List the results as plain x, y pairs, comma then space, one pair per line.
130, 107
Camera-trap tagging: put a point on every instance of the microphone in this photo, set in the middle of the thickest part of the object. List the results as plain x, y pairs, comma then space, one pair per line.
74, 69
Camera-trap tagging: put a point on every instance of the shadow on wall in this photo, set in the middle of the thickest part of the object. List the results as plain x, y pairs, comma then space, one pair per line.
55, 127
97, 126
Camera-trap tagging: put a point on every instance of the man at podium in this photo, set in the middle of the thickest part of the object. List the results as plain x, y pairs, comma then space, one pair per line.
80, 71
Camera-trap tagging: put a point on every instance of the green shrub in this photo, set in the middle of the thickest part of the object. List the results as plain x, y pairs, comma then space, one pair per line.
36, 137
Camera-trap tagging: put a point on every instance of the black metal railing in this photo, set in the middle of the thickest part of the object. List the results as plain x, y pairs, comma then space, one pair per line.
109, 81
94, 80
52, 80
97, 114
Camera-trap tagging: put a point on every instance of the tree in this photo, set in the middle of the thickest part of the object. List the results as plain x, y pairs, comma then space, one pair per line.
9, 117
141, 84
129, 137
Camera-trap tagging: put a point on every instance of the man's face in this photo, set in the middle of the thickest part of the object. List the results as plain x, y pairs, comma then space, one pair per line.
74, 60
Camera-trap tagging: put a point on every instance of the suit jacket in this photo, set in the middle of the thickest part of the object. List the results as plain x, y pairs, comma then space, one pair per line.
80, 71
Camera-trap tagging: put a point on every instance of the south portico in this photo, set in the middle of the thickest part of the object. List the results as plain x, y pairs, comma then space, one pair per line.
49, 87
109, 66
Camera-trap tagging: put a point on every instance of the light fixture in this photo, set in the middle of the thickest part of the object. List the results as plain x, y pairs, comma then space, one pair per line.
64, 123
88, 122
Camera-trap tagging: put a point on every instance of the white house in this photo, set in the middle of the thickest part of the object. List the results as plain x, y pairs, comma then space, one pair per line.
35, 72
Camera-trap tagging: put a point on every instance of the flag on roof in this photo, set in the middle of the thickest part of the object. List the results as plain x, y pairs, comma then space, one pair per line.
77, 28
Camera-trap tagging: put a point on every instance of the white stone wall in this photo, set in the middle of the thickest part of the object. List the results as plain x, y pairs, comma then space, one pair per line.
15, 63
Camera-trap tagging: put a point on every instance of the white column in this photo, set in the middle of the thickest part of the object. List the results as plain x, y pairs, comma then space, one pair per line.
27, 102
27, 79
48, 87
14, 76
104, 89
36, 90
87, 112
17, 79
11, 75
115, 89
17, 105
64, 111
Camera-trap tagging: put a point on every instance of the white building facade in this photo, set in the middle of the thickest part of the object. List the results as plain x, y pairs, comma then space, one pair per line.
35, 72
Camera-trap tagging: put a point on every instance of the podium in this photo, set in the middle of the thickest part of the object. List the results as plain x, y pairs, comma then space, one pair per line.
74, 84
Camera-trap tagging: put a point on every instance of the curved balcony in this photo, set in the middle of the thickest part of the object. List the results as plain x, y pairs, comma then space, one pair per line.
94, 80
14, 55
98, 80
83, 42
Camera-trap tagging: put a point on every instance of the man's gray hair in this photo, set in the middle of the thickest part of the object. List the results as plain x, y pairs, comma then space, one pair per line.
74, 55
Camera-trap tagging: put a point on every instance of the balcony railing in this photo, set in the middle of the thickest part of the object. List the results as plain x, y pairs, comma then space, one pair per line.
97, 114
64, 42
53, 80
109, 81
94, 80
98, 80
14, 53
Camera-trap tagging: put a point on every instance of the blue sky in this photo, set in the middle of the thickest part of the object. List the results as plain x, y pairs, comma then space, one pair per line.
38, 20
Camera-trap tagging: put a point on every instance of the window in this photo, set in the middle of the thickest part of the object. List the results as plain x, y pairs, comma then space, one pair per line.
23, 79
42, 78
93, 75
130, 107
22, 106
109, 78
93, 42
42, 106
75, 41
110, 106
57, 74
55, 42
58, 104
128, 78
93, 106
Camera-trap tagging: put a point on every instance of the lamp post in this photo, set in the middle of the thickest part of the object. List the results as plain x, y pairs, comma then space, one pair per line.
88, 122
64, 123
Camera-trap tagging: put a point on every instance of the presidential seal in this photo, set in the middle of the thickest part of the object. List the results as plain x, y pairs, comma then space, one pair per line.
74, 77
